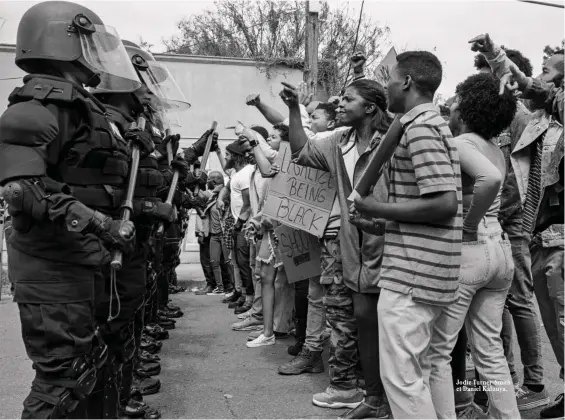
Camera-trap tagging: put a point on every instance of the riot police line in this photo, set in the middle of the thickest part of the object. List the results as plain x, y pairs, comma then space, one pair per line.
87, 162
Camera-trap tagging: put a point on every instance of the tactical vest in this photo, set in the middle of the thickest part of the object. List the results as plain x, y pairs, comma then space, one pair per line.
149, 179
93, 160
158, 137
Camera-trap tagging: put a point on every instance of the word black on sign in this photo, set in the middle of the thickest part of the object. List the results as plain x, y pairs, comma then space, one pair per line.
299, 196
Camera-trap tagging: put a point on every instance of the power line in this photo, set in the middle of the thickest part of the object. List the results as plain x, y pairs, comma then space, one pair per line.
543, 3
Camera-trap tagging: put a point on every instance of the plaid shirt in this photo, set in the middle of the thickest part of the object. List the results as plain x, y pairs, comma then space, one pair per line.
228, 223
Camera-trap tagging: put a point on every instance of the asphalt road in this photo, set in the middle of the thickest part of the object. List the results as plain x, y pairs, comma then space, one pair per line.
207, 370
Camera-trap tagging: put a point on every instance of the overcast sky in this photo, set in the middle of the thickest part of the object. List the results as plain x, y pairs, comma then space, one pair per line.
440, 26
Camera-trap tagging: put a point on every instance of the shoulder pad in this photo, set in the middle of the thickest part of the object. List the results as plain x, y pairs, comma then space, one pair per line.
44, 89
28, 124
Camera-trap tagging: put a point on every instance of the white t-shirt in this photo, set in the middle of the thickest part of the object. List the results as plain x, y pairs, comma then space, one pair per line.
239, 181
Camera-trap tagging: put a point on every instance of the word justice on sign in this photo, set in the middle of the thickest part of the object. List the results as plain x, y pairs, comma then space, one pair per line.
299, 196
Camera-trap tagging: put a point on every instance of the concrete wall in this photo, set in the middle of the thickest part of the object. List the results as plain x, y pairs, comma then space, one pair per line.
216, 87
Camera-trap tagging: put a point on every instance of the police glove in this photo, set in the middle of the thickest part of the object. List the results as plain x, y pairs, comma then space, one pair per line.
193, 179
143, 140
190, 155
200, 145
180, 165
115, 234
163, 211
215, 147
162, 147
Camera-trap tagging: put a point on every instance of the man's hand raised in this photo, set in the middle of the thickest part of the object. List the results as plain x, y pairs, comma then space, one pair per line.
289, 95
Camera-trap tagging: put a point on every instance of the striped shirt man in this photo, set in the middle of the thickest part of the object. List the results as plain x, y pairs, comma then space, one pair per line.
422, 259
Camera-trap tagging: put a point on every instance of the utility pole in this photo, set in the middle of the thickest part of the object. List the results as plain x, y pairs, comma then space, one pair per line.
311, 48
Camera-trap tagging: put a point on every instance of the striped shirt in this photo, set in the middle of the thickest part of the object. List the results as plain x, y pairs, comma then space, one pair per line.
423, 259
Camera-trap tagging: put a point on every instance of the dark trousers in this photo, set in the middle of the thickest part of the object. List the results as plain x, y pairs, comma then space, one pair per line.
242, 257
55, 332
204, 243
301, 308
219, 262
365, 311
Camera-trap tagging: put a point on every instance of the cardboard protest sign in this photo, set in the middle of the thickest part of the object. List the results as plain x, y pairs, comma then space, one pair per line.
300, 253
382, 71
299, 196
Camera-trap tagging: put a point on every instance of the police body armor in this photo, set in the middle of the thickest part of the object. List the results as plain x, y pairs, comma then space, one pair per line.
89, 160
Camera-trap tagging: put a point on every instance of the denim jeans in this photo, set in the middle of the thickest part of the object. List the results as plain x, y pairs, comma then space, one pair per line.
204, 243
219, 261
242, 251
316, 320
486, 274
257, 308
520, 306
547, 269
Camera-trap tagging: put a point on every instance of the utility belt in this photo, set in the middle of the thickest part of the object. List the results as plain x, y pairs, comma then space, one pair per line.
105, 197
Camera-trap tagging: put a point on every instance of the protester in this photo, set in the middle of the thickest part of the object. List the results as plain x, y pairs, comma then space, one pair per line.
351, 300
541, 187
478, 115
423, 234
238, 190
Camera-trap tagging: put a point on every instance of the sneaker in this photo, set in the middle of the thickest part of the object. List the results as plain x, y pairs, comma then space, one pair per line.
262, 341
204, 291
248, 324
244, 315
555, 410
528, 399
254, 334
233, 298
472, 412
228, 296
306, 362
217, 292
243, 308
237, 303
338, 398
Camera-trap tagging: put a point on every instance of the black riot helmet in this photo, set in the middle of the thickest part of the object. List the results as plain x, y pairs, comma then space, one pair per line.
55, 32
157, 77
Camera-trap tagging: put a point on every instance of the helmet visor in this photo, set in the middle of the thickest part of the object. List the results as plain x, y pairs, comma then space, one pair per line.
161, 83
105, 54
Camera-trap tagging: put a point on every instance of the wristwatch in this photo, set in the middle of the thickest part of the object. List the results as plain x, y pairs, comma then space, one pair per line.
253, 143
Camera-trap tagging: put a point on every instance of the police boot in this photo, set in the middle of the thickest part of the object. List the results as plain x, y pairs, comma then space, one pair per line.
167, 324
172, 307
147, 369
169, 314
146, 386
157, 332
136, 408
147, 357
104, 400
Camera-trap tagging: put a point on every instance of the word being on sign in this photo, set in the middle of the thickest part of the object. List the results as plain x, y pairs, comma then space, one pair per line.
300, 196
300, 253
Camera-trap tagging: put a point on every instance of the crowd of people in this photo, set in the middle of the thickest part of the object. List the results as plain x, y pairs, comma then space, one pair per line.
423, 281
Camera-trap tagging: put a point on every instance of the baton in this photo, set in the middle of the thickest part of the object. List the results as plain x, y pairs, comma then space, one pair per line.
374, 170
170, 196
206, 152
127, 207
169, 147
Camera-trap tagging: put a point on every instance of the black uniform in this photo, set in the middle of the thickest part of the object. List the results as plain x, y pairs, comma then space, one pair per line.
59, 159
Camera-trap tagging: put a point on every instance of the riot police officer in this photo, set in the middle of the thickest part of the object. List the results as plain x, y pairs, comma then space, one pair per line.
64, 169
123, 109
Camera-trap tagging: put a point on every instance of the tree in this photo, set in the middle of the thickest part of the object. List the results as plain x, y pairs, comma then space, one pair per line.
548, 51
274, 30
144, 45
